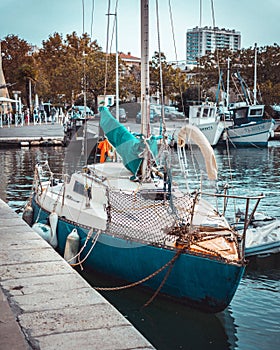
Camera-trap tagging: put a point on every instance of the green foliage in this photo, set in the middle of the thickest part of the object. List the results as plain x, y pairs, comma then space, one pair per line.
63, 68
268, 71
18, 64
173, 79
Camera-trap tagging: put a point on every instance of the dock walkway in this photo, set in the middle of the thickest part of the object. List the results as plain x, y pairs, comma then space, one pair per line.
45, 304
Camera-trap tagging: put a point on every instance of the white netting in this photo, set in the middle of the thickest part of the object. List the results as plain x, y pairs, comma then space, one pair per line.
149, 216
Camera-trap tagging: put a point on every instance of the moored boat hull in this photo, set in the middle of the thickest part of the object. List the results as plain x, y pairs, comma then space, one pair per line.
209, 283
256, 134
213, 132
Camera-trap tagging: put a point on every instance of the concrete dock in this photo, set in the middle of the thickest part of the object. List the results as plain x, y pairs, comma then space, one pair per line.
45, 304
28, 135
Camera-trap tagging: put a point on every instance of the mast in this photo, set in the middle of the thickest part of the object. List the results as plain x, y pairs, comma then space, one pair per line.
117, 70
85, 141
145, 84
255, 76
228, 76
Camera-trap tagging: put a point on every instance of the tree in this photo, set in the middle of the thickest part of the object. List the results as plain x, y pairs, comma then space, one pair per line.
18, 65
130, 82
174, 81
242, 61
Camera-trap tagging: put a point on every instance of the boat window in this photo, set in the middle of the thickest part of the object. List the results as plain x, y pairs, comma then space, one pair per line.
79, 188
205, 113
256, 112
240, 116
241, 113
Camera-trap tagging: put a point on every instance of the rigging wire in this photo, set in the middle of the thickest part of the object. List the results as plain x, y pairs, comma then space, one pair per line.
83, 5
175, 50
84, 151
92, 13
109, 47
160, 76
114, 25
214, 27
107, 44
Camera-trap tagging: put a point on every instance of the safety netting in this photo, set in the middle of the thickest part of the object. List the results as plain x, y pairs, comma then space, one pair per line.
148, 216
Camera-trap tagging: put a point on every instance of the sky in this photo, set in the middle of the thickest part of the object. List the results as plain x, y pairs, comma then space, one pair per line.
36, 20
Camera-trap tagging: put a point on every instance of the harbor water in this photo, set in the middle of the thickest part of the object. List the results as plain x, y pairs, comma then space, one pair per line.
252, 319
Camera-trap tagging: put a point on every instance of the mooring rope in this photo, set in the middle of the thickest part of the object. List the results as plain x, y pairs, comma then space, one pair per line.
134, 284
94, 241
161, 284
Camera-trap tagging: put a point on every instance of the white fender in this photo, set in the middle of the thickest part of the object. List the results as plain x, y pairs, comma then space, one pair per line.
192, 132
53, 219
43, 230
72, 247
48, 232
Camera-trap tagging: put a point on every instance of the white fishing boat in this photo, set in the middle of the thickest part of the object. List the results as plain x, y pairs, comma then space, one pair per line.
207, 119
130, 220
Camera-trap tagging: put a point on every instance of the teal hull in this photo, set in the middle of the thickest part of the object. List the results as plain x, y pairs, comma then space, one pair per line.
205, 283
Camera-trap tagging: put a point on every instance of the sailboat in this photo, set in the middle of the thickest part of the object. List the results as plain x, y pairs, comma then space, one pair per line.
130, 220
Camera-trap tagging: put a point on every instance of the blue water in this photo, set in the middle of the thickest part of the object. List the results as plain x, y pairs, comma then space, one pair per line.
252, 319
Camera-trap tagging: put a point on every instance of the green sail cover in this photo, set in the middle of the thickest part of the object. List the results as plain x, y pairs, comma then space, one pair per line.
128, 146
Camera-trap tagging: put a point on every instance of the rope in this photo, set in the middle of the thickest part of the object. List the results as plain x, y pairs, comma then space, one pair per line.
175, 257
83, 247
162, 283
94, 241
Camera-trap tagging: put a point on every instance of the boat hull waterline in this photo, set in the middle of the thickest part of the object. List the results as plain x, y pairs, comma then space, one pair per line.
256, 134
205, 283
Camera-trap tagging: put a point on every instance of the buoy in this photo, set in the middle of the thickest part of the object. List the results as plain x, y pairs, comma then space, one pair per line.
48, 232
27, 214
72, 247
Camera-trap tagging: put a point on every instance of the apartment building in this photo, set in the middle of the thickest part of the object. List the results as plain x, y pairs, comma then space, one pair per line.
200, 41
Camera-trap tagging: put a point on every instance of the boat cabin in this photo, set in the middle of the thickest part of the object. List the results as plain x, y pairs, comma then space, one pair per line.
203, 113
244, 114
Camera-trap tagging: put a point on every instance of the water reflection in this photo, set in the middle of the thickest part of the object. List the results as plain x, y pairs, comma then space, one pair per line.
166, 324
17, 171
251, 321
